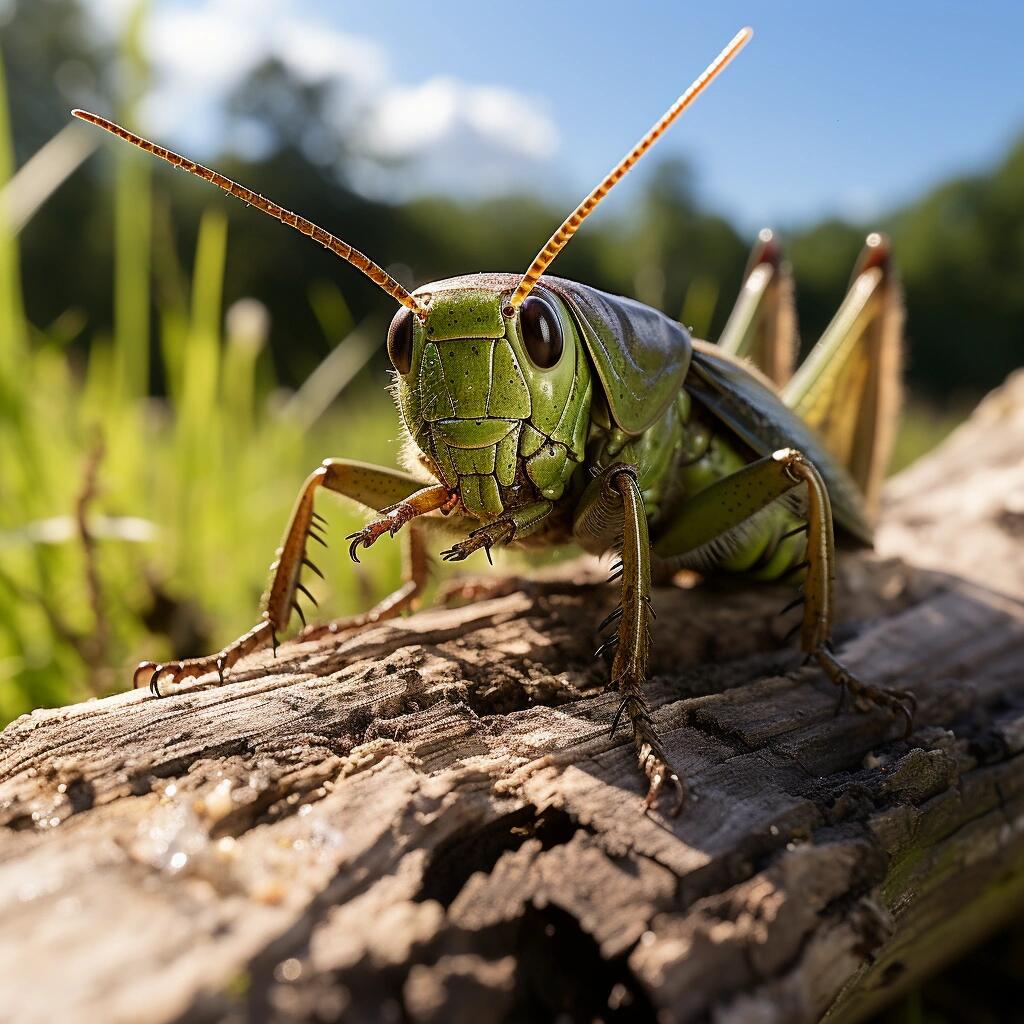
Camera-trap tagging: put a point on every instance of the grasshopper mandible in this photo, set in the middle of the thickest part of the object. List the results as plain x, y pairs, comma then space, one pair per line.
540, 411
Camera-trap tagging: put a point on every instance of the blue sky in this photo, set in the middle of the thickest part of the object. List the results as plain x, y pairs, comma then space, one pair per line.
832, 108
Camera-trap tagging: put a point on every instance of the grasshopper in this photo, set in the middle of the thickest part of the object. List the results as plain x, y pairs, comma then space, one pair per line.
539, 411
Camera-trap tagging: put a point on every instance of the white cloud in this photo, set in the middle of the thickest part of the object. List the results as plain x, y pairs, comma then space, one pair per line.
454, 135
408, 120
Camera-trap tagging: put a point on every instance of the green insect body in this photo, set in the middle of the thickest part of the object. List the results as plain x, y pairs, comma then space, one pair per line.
540, 411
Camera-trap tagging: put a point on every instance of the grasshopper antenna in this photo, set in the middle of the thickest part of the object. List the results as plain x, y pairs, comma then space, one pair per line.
558, 241
378, 275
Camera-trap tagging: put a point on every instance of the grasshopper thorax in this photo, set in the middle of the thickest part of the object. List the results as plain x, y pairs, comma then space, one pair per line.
496, 400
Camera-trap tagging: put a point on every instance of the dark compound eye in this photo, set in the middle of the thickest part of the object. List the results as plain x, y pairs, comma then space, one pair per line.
541, 331
400, 341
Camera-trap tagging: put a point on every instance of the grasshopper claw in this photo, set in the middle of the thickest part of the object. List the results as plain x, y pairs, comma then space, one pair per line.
390, 523
618, 715
355, 544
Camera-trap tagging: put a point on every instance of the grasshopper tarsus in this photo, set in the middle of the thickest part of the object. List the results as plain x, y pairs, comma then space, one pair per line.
900, 703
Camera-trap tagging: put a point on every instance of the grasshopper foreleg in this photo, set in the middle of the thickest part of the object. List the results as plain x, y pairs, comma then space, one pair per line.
434, 498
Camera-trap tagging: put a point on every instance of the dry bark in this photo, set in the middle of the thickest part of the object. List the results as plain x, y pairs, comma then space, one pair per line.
429, 821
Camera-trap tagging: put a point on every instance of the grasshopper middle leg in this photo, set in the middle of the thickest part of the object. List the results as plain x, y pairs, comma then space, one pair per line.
399, 498
614, 498
714, 513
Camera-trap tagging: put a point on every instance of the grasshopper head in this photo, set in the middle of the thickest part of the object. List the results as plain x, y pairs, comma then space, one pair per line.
496, 400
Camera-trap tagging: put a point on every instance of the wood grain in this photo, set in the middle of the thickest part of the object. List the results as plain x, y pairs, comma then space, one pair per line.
429, 821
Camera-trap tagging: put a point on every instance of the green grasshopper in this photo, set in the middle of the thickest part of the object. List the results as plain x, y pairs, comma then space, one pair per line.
539, 411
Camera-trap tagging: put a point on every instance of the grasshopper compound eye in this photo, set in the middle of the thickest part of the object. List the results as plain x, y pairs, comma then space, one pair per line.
400, 341
541, 332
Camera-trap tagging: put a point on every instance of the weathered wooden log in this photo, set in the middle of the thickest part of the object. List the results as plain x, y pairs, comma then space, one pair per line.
429, 821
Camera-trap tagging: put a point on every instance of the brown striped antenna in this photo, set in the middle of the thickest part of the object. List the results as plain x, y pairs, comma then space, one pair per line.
558, 241
378, 275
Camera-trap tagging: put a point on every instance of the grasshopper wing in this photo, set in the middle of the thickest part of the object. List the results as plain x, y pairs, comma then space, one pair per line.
762, 325
747, 404
848, 387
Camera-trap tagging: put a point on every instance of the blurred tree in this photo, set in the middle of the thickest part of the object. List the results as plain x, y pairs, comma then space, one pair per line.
684, 260
961, 252
52, 57
823, 257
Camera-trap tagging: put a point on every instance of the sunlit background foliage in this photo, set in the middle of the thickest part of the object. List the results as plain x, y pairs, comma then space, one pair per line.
172, 365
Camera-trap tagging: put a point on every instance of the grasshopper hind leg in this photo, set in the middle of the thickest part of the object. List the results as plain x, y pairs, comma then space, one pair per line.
848, 387
762, 325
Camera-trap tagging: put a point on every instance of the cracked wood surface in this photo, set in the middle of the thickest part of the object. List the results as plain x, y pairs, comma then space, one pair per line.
429, 821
